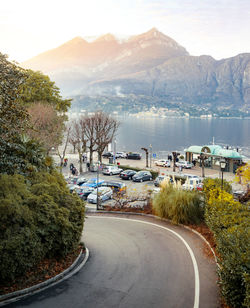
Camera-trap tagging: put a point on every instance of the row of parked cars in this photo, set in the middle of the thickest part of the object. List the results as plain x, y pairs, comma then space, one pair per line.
139, 176
129, 155
181, 163
192, 182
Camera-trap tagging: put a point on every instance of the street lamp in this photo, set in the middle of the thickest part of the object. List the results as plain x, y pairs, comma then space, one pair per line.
114, 156
222, 168
150, 158
97, 183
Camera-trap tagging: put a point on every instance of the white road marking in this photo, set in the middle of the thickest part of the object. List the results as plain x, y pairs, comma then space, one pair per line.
195, 266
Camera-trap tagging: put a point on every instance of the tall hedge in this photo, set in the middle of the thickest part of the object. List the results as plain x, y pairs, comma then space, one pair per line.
38, 218
229, 220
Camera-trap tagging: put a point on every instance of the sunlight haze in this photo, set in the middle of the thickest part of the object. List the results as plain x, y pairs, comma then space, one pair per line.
217, 28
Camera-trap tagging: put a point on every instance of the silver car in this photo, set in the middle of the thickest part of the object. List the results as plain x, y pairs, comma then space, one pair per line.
104, 193
110, 170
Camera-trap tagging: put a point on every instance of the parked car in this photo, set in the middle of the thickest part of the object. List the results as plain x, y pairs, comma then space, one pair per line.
120, 155
161, 178
184, 164
73, 180
134, 156
72, 187
81, 180
93, 167
142, 176
93, 183
192, 183
163, 163
110, 170
108, 154
200, 186
127, 174
104, 193
117, 187
83, 192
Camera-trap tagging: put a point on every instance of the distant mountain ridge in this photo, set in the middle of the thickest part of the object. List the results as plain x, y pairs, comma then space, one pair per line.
151, 64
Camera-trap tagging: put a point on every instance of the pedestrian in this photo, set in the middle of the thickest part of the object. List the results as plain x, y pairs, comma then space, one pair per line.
71, 166
73, 170
88, 165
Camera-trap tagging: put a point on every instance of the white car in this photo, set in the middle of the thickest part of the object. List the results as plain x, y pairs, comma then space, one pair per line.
163, 163
120, 155
110, 170
184, 164
104, 193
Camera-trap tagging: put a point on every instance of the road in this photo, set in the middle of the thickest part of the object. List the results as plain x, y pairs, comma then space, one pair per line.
136, 262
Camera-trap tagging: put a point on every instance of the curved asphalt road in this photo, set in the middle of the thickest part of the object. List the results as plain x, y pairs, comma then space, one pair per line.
136, 264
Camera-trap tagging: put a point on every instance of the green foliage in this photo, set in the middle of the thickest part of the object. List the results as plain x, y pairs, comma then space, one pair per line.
13, 117
38, 218
178, 205
210, 184
39, 88
154, 173
229, 220
23, 155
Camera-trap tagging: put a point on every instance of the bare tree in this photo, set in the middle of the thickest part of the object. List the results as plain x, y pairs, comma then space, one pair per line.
90, 135
66, 142
105, 130
79, 137
47, 125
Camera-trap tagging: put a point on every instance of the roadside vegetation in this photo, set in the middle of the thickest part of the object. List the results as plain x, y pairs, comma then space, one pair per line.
178, 205
39, 218
227, 218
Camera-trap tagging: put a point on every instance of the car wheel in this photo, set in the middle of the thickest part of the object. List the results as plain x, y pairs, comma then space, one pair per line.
141, 180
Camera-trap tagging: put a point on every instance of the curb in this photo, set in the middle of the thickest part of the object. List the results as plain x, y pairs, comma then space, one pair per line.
70, 271
163, 219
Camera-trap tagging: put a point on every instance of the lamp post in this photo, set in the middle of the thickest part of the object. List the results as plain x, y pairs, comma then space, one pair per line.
222, 168
114, 157
97, 183
150, 157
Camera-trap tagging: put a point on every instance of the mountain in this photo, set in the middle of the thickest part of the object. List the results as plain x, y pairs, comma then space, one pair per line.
150, 64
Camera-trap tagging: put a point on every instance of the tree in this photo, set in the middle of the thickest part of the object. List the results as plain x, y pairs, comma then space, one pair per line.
13, 117
79, 138
90, 134
62, 153
47, 125
39, 88
105, 129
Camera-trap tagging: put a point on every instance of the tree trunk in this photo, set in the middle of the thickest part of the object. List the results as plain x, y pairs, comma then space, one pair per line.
80, 162
91, 155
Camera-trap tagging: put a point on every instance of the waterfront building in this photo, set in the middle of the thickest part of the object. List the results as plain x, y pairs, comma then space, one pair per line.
212, 155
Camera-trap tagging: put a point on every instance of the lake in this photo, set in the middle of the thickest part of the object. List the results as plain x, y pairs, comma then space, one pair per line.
170, 134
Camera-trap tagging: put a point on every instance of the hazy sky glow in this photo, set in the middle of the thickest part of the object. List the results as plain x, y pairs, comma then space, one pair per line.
216, 27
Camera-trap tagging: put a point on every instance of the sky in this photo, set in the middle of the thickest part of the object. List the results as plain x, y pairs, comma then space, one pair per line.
219, 28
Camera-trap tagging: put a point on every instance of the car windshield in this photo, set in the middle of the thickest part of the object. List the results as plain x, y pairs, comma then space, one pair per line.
92, 181
140, 173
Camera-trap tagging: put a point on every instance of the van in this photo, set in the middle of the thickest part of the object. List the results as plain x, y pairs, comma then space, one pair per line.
192, 183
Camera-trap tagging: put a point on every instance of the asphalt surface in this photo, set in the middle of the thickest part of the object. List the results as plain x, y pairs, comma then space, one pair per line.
135, 263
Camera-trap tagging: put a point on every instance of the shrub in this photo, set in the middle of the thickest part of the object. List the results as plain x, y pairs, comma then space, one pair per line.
229, 220
178, 205
38, 218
